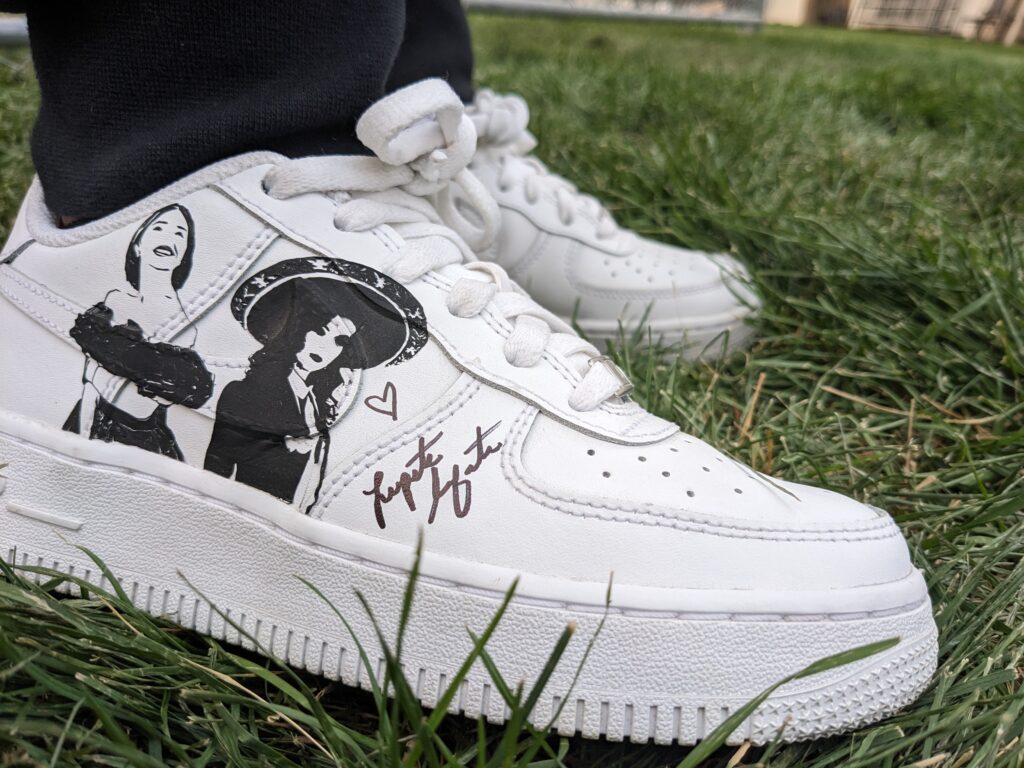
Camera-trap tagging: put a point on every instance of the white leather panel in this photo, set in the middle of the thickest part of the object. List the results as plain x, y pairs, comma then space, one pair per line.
543, 212
495, 512
39, 375
475, 343
683, 479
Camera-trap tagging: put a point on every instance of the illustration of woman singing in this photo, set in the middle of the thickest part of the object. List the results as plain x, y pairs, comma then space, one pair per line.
115, 336
319, 321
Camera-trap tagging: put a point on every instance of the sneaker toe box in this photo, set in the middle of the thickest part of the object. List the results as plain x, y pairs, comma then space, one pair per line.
680, 295
679, 513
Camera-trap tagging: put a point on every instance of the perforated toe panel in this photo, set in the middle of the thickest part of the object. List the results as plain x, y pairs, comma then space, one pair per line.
684, 475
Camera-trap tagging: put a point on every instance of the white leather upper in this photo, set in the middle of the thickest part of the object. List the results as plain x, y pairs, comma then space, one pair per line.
567, 251
489, 458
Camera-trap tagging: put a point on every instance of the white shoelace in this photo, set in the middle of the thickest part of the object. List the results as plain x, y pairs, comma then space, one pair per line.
501, 122
423, 141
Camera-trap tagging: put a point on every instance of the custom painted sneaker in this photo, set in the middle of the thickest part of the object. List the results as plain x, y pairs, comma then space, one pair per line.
280, 369
568, 252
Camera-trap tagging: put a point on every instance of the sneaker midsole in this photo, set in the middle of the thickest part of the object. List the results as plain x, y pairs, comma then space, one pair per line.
42, 490
237, 573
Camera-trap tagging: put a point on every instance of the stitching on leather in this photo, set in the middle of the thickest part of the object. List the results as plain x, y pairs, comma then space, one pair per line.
225, 362
612, 408
639, 294
271, 219
640, 419
559, 366
31, 311
432, 279
47, 295
572, 261
386, 241
41, 225
516, 475
574, 274
537, 247
495, 323
513, 205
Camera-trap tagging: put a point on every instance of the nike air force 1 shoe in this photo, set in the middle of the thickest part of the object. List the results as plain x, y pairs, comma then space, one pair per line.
275, 370
568, 252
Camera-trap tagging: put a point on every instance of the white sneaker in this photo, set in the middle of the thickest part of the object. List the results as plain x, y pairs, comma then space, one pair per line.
288, 369
568, 252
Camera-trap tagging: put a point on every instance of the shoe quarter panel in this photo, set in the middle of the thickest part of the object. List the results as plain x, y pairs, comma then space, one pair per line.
198, 333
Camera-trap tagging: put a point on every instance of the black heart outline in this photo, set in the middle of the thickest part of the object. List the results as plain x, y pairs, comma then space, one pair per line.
390, 394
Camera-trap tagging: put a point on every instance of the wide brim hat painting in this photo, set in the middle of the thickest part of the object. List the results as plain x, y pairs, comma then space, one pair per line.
390, 322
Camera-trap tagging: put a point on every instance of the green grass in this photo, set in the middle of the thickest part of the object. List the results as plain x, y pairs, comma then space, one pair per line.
875, 184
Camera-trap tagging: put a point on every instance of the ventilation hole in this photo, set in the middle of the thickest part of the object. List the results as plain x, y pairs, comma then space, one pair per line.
641, 458
737, 490
666, 474
614, 274
591, 452
606, 473
674, 450
691, 494
706, 469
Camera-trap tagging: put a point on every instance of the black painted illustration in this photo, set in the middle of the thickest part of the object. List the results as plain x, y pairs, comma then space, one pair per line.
318, 320
116, 335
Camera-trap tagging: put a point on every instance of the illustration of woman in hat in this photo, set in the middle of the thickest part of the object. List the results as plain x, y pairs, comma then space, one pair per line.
320, 322
116, 336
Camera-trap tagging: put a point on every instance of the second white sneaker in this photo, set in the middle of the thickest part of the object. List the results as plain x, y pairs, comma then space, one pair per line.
566, 249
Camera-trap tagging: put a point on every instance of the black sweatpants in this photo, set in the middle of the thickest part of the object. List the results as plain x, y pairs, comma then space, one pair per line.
138, 93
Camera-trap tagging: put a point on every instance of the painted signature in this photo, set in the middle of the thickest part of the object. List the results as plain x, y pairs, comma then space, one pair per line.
455, 484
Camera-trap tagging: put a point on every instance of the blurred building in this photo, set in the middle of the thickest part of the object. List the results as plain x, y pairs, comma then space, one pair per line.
991, 20
985, 19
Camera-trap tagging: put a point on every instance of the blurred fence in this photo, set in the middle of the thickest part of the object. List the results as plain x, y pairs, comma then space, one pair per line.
750, 12
995, 20
13, 30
